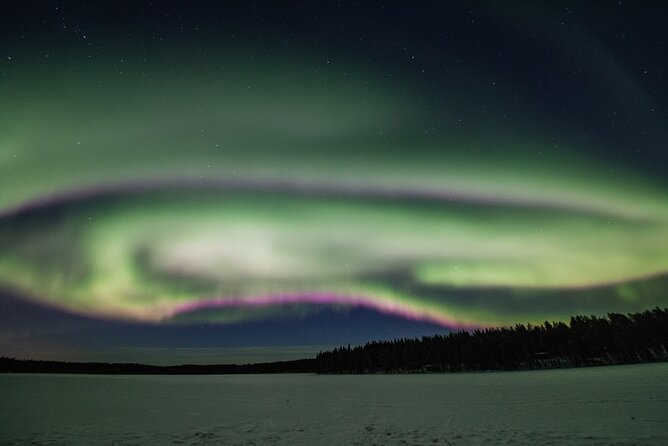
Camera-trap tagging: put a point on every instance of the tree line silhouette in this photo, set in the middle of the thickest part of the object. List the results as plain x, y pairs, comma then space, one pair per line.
585, 341
13, 365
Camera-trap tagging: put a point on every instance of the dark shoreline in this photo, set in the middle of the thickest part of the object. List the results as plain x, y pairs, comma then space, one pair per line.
299, 366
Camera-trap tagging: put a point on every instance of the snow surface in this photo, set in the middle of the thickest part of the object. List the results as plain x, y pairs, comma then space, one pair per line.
603, 405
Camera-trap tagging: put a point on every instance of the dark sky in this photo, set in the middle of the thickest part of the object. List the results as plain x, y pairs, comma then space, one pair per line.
240, 181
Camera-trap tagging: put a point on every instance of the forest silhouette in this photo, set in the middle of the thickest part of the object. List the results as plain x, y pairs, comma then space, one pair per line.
585, 341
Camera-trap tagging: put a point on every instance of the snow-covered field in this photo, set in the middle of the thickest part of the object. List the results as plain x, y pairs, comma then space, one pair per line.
605, 405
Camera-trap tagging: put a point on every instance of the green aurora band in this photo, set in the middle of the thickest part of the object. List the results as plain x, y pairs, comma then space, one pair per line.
141, 201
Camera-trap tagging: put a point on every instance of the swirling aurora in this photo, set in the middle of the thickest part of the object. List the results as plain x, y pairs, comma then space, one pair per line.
401, 240
233, 191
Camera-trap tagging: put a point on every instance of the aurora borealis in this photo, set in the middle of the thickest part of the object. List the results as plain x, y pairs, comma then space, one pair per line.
230, 166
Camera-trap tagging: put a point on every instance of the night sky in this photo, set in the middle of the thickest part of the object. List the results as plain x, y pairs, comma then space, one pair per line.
248, 181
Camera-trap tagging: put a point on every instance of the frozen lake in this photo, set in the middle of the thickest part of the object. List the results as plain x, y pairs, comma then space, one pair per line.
605, 405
